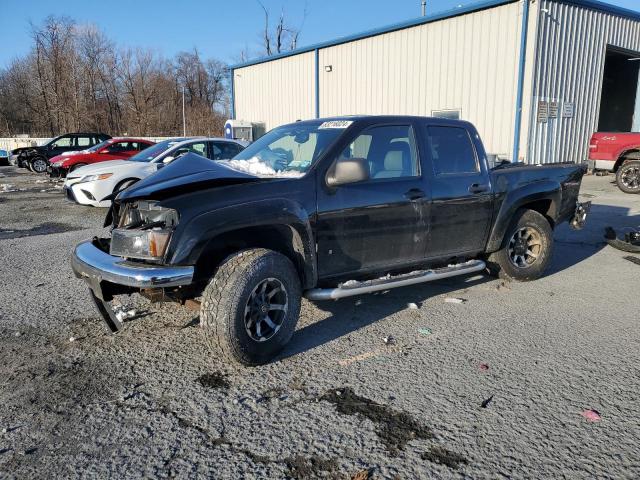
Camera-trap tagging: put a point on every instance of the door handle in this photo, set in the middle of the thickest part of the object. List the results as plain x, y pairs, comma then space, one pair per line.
414, 194
478, 188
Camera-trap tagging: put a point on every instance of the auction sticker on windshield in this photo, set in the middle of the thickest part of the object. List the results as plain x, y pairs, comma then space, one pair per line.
336, 124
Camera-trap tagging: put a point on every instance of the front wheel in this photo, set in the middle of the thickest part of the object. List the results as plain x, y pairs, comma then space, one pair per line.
628, 177
251, 306
38, 165
526, 250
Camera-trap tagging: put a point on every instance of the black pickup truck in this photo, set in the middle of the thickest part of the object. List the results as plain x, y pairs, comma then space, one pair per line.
324, 209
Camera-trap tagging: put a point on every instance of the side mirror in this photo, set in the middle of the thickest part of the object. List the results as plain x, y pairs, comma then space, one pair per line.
348, 170
168, 158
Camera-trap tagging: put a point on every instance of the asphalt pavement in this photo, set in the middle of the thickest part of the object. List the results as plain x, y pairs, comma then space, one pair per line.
515, 380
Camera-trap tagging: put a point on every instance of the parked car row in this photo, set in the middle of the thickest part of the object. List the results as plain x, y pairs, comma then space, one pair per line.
92, 184
96, 165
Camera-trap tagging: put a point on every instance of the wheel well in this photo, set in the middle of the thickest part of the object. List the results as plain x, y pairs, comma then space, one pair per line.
545, 208
117, 187
283, 239
628, 155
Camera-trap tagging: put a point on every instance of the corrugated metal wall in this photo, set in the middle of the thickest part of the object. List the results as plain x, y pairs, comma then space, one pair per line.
467, 63
571, 48
276, 92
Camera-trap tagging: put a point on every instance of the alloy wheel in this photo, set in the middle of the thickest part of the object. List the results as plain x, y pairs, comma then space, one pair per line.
630, 177
525, 247
39, 165
266, 309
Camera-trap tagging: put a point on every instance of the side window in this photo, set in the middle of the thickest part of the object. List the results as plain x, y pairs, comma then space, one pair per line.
199, 148
451, 150
84, 142
216, 152
225, 150
62, 143
390, 151
141, 145
119, 147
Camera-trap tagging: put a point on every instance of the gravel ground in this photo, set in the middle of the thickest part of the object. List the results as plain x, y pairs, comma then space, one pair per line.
492, 387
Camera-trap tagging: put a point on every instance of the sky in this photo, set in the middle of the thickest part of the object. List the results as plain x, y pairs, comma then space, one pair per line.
218, 29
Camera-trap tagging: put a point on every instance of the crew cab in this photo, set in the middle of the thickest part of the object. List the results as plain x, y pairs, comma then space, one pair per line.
324, 209
618, 153
37, 158
113, 149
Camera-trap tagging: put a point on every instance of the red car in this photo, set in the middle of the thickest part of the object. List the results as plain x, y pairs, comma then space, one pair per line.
618, 153
112, 149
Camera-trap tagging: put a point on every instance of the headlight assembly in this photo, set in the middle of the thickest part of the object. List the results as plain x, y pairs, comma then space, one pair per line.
91, 178
143, 231
140, 244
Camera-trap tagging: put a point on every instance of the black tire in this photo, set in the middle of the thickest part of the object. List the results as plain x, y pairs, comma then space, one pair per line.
77, 166
123, 185
230, 322
628, 177
526, 250
38, 165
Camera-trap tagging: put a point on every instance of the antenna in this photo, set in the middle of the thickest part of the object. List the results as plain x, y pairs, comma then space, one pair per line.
424, 8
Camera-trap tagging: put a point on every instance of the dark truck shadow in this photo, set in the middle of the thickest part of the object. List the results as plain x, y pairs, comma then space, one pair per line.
345, 317
572, 247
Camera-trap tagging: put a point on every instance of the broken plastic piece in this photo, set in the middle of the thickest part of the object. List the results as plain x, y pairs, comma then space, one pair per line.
424, 331
454, 300
484, 367
486, 402
412, 306
591, 415
389, 340
626, 245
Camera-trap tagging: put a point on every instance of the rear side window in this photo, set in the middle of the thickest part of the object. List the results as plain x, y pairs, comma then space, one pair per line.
451, 150
84, 141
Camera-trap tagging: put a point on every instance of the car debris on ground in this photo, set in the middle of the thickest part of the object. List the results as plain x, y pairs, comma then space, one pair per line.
630, 244
591, 415
454, 300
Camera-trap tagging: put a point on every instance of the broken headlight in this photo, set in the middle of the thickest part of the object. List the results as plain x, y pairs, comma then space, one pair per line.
144, 231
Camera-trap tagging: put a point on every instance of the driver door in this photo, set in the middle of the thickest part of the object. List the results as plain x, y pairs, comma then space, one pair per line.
379, 224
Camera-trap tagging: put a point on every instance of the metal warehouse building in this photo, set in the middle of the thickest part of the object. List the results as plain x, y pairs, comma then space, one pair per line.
536, 77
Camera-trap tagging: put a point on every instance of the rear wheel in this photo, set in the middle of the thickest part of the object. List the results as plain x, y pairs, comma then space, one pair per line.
251, 306
526, 250
628, 177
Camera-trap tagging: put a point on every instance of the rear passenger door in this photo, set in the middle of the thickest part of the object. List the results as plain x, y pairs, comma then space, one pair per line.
462, 199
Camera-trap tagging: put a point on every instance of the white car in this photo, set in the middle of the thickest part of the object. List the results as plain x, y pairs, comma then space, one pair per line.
89, 185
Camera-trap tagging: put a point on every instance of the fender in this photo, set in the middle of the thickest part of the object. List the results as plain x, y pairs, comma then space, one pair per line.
629, 148
517, 198
273, 212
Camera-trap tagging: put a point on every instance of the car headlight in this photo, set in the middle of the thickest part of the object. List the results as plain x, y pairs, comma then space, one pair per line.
143, 231
91, 178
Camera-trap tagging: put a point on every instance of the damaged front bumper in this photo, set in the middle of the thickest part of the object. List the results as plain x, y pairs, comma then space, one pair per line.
580, 215
106, 275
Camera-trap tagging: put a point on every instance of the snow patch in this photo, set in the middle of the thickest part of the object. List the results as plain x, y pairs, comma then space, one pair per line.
255, 166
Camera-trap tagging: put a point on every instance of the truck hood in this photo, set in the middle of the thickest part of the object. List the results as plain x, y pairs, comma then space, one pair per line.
186, 174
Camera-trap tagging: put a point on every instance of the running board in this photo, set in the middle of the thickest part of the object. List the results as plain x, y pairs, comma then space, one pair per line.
352, 287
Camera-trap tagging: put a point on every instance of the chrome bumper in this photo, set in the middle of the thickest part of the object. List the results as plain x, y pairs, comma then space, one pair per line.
95, 266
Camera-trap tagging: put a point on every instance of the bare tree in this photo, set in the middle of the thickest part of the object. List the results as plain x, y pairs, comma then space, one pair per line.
75, 78
283, 37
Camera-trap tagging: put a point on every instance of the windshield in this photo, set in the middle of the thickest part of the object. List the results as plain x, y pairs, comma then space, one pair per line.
154, 151
97, 147
287, 151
